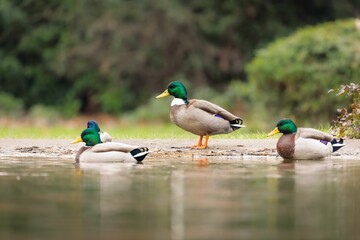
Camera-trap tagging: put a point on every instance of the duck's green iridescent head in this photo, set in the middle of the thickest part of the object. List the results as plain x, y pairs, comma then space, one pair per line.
176, 89
90, 136
285, 126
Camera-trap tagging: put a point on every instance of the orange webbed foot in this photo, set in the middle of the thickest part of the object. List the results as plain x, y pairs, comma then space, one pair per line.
200, 145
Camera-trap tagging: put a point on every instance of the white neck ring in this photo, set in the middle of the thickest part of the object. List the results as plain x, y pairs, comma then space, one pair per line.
177, 101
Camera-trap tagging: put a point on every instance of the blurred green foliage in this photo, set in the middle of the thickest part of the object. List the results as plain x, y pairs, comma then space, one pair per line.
113, 56
292, 76
10, 106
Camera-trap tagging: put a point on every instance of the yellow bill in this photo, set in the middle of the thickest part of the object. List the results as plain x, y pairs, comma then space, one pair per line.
164, 94
77, 140
273, 132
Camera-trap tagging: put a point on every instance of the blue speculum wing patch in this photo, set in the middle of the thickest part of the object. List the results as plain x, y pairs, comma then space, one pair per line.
324, 142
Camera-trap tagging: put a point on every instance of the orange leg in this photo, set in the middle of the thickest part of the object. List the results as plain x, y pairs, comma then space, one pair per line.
199, 145
206, 141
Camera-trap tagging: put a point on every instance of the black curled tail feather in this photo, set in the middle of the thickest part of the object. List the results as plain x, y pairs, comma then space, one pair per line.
236, 124
139, 153
336, 145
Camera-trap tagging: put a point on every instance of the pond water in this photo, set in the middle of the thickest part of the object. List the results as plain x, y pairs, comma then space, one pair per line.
180, 199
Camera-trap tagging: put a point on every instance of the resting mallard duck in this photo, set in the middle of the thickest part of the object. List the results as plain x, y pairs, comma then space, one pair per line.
104, 136
304, 143
199, 117
96, 151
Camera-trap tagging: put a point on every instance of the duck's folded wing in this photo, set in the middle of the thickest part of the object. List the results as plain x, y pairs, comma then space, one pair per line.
212, 109
314, 134
112, 146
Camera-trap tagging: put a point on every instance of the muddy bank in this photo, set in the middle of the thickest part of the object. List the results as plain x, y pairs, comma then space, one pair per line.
162, 148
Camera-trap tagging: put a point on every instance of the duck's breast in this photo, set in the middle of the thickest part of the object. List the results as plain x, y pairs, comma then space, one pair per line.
286, 146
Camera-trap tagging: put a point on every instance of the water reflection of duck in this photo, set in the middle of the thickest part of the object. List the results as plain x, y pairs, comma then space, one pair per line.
97, 151
304, 143
199, 117
202, 162
104, 136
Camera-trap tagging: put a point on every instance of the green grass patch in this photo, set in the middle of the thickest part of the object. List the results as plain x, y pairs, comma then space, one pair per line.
127, 131
39, 132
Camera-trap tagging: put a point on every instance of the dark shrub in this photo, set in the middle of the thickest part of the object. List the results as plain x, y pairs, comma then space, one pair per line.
292, 75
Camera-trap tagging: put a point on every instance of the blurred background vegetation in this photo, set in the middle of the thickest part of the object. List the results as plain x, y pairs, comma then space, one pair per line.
263, 60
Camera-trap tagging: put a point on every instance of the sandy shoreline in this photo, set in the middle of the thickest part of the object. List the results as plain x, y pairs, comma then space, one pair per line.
161, 148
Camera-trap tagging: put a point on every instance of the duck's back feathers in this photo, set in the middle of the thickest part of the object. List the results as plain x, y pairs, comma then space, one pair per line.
112, 146
212, 109
313, 134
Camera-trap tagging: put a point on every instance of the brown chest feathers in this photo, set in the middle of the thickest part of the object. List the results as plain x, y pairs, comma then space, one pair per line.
286, 146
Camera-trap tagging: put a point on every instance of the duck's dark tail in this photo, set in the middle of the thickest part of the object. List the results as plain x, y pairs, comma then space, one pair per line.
139, 153
236, 124
336, 145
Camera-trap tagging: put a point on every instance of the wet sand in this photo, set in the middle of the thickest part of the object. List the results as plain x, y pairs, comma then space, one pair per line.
163, 148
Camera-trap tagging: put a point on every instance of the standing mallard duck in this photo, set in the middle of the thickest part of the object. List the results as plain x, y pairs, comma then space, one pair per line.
104, 136
304, 143
199, 117
96, 151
